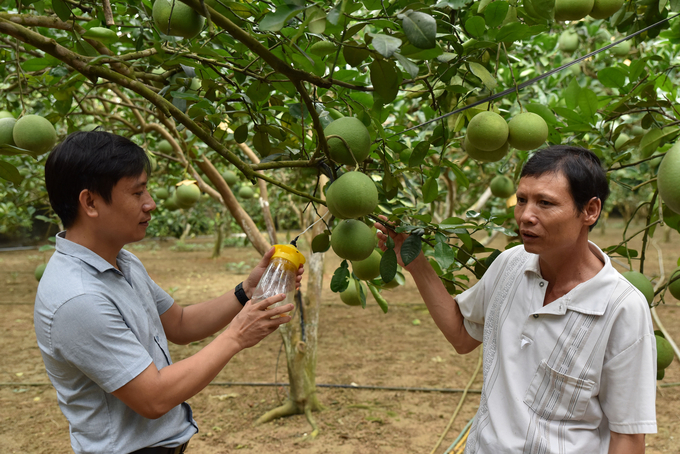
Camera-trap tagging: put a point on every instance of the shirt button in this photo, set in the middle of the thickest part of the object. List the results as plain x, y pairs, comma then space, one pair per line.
535, 315
541, 284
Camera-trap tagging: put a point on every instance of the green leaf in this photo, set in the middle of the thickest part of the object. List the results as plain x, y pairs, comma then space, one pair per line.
587, 102
571, 94
385, 45
654, 138
388, 265
420, 29
543, 111
10, 173
461, 177
411, 68
419, 154
514, 31
340, 279
61, 9
36, 64
495, 13
10, 150
378, 297
385, 79
475, 26
612, 77
410, 248
481, 72
241, 133
317, 21
444, 255
430, 190
275, 21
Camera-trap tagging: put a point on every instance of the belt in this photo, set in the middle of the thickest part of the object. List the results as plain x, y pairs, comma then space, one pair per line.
163, 450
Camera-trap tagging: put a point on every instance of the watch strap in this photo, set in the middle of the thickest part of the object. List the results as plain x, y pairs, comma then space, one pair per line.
241, 294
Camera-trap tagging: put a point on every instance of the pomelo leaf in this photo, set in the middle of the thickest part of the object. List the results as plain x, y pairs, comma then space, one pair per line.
476, 26
411, 68
388, 265
420, 29
587, 102
340, 279
61, 9
444, 255
430, 190
10, 173
495, 13
542, 110
36, 64
514, 31
481, 72
612, 77
570, 94
385, 45
410, 249
275, 21
419, 154
378, 297
317, 23
385, 79
241, 133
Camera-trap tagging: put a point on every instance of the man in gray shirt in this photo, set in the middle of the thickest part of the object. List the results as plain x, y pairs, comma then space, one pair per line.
103, 325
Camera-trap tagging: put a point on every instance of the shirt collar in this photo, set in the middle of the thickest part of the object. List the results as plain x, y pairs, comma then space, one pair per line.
88, 256
589, 297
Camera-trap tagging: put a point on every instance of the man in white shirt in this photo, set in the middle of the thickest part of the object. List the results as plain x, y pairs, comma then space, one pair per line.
569, 348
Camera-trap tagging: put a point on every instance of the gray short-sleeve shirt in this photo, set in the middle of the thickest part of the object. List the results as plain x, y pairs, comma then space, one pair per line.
97, 329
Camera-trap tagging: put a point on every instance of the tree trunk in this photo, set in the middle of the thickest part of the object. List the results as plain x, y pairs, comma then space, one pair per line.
264, 197
300, 343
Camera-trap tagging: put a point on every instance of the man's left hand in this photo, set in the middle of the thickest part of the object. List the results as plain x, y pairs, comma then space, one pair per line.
254, 278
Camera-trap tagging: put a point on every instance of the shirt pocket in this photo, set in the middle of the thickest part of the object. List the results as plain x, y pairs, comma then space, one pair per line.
555, 396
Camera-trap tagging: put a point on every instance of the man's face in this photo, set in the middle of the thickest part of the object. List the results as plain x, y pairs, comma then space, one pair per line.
126, 218
546, 214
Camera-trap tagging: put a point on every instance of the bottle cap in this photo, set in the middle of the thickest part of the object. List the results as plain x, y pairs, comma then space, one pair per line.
290, 253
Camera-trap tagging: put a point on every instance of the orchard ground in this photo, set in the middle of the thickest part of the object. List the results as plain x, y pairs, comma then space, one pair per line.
402, 348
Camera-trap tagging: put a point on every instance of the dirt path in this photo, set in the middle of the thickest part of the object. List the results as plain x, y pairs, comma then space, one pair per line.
402, 348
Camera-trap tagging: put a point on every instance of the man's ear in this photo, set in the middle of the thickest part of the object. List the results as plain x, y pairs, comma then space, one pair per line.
89, 203
592, 211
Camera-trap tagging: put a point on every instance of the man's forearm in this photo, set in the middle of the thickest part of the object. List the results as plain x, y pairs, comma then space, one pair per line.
626, 443
443, 308
198, 321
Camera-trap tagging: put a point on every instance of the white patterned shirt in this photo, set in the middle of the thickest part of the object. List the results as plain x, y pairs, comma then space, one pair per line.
558, 378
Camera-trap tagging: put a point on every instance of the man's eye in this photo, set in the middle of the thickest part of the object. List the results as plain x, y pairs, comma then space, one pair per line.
521, 200
545, 203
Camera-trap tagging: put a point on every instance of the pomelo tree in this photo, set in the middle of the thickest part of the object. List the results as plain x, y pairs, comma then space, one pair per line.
279, 92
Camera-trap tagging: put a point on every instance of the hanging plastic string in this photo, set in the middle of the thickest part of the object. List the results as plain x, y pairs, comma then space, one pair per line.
294, 242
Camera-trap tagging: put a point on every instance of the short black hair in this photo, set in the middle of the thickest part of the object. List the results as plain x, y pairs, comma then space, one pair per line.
95, 161
581, 167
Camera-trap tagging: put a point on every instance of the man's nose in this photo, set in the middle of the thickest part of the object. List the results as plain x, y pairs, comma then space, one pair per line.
527, 215
149, 204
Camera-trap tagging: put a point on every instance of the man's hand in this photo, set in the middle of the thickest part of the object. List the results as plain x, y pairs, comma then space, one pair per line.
256, 274
256, 321
626, 443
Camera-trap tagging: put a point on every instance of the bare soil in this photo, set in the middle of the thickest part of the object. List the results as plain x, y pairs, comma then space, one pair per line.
402, 348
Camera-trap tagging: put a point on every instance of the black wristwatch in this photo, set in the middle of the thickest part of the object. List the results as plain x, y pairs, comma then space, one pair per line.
241, 294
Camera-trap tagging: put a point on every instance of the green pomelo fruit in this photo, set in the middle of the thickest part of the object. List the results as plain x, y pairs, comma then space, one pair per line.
351, 296
352, 240
34, 133
674, 286
230, 177
527, 131
322, 48
369, 268
39, 271
352, 131
6, 114
602, 9
568, 41
668, 178
641, 283
621, 49
502, 186
394, 283
89, 127
101, 34
331, 205
485, 156
354, 194
321, 243
621, 140
164, 147
664, 353
187, 195
572, 9
487, 131
660, 373
245, 192
161, 194
6, 131
171, 203
185, 22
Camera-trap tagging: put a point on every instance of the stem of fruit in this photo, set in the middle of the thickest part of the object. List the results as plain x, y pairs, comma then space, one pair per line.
512, 73
333, 136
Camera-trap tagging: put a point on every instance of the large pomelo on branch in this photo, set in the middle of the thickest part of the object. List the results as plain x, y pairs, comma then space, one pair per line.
187, 195
485, 156
487, 131
602, 9
572, 9
502, 186
353, 133
621, 49
664, 353
352, 240
34, 133
351, 296
185, 22
353, 195
164, 147
674, 286
641, 282
230, 177
246, 192
568, 41
6, 114
668, 178
527, 131
6, 131
369, 268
